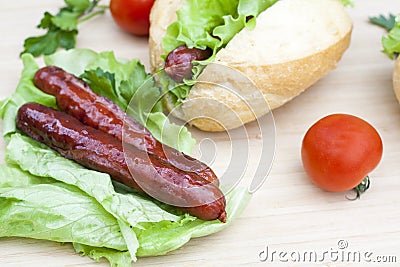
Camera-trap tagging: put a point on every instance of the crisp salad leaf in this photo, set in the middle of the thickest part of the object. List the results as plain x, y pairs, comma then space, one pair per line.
80, 219
25, 92
115, 257
347, 3
391, 42
46, 196
62, 28
211, 23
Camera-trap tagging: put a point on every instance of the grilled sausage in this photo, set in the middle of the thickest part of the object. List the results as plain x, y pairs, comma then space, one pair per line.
99, 151
75, 97
178, 64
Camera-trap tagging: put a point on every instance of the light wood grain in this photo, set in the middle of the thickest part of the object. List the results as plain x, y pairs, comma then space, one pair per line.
288, 213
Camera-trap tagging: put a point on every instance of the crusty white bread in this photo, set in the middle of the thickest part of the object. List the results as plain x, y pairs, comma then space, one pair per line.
162, 14
295, 43
396, 78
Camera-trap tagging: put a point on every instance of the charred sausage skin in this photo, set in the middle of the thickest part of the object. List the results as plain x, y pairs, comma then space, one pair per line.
75, 97
99, 151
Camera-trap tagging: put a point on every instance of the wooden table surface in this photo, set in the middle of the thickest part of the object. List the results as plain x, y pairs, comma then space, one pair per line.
288, 214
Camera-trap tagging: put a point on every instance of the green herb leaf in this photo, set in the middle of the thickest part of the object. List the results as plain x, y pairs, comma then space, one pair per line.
62, 28
384, 22
66, 21
44, 44
46, 21
391, 42
104, 82
80, 5
66, 39
138, 77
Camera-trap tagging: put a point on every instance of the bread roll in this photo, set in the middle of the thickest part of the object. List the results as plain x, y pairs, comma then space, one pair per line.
396, 78
294, 44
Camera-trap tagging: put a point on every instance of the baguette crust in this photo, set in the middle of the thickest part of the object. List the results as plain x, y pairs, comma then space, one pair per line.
396, 78
162, 14
295, 43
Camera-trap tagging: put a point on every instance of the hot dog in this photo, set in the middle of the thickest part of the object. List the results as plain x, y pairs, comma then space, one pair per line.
75, 97
97, 150
283, 47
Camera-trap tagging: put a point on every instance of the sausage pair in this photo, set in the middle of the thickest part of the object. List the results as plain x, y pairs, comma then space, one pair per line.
97, 150
75, 97
91, 135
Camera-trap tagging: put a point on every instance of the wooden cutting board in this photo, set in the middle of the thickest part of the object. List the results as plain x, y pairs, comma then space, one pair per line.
288, 216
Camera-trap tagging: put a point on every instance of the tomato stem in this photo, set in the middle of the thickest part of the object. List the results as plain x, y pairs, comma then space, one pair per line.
361, 188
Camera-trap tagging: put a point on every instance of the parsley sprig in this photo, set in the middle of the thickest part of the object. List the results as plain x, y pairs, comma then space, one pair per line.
385, 22
62, 28
391, 42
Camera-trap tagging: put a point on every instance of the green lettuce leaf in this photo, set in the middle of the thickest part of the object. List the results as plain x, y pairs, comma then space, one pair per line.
171, 236
115, 257
391, 42
25, 92
347, 3
70, 216
151, 227
211, 23
41, 161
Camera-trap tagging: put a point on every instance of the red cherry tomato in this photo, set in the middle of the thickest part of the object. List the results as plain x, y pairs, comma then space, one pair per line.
339, 151
132, 15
